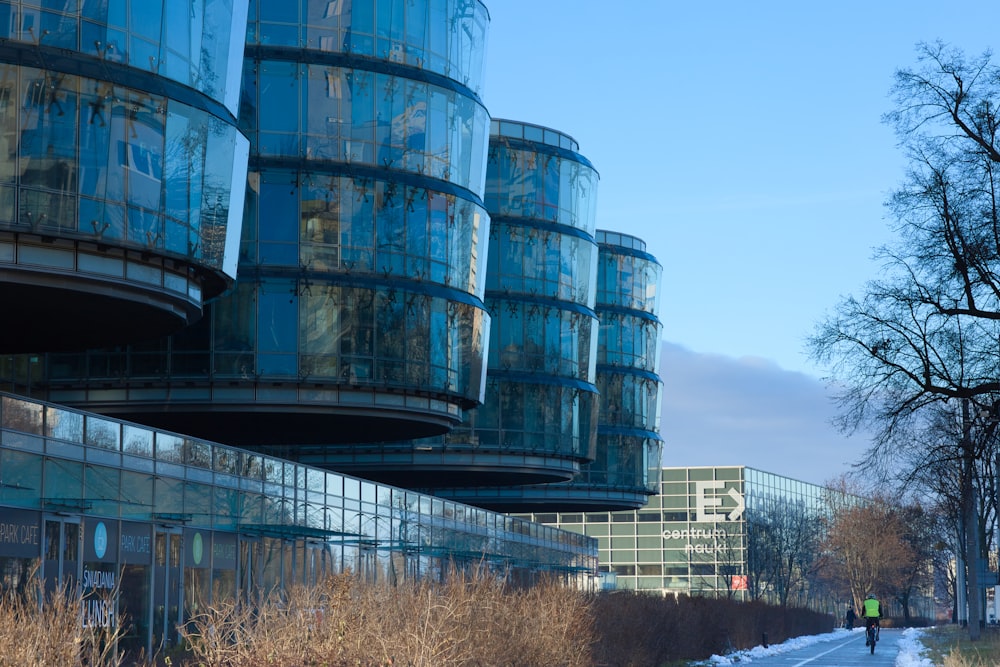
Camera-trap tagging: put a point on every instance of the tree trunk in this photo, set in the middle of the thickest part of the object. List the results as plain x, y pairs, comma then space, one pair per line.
973, 598
972, 570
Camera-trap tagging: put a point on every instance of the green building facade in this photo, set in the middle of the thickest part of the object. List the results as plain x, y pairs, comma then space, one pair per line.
712, 531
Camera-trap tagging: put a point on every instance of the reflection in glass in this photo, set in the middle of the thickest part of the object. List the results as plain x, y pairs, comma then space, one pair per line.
137, 440
129, 151
63, 424
103, 433
197, 44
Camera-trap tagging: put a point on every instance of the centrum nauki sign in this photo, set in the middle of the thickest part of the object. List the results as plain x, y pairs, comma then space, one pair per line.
714, 503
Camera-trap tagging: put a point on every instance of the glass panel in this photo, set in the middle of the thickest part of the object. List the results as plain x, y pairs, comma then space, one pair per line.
277, 322
226, 460
63, 424
186, 131
21, 474
63, 481
103, 433
198, 504
22, 415
103, 490
137, 441
143, 156
168, 497
169, 448
277, 86
198, 454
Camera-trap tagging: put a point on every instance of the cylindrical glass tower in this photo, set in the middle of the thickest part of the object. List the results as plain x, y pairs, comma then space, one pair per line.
122, 170
538, 420
358, 312
626, 468
629, 446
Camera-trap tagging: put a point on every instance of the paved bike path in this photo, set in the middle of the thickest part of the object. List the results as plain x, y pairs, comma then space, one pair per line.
846, 652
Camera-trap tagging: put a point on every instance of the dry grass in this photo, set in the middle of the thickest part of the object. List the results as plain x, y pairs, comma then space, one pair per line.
949, 645
477, 622
467, 621
51, 634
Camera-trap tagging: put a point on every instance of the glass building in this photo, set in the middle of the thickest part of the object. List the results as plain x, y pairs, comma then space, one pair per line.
625, 469
538, 418
122, 170
538, 422
294, 229
358, 312
172, 522
714, 531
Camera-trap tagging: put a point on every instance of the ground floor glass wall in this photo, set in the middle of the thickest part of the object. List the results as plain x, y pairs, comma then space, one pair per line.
170, 523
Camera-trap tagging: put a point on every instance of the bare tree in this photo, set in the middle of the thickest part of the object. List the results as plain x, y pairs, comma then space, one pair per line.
869, 549
721, 564
781, 544
920, 526
928, 331
945, 559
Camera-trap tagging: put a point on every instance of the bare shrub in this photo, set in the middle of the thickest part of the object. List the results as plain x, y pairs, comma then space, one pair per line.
469, 620
47, 629
637, 629
554, 625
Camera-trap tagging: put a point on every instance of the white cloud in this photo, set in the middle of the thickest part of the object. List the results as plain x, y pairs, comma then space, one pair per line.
721, 410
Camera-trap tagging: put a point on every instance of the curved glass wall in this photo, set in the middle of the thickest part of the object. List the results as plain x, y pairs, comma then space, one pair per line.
238, 523
541, 400
121, 185
538, 419
443, 37
358, 312
628, 445
365, 119
195, 43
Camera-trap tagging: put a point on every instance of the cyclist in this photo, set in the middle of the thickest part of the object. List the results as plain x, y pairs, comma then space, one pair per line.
871, 611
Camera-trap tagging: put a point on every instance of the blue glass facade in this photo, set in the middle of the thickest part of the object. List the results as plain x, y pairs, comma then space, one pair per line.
541, 397
538, 419
387, 244
313, 198
358, 311
624, 471
175, 522
122, 171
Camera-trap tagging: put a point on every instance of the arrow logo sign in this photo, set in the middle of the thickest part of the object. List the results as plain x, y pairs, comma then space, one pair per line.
708, 502
740, 505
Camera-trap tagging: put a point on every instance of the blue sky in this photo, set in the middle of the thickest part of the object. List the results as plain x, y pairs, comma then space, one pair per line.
743, 142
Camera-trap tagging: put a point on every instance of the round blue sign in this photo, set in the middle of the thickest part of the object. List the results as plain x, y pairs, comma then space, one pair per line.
100, 539
197, 548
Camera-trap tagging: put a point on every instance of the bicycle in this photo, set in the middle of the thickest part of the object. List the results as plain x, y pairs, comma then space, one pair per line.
871, 635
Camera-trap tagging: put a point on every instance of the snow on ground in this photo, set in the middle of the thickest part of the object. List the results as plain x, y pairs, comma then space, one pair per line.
911, 651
